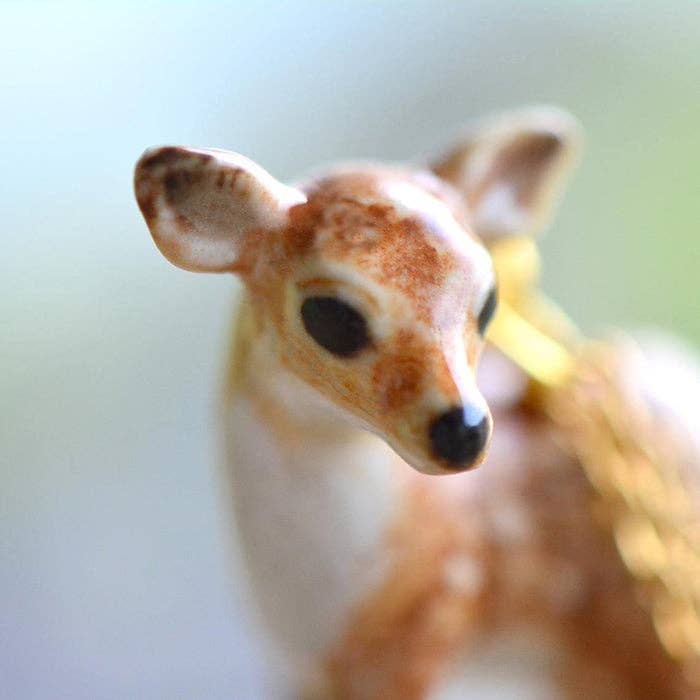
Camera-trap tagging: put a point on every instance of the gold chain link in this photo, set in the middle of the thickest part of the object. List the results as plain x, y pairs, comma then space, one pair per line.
637, 475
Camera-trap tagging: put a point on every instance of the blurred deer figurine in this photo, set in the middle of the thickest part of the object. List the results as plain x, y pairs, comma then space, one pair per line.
368, 290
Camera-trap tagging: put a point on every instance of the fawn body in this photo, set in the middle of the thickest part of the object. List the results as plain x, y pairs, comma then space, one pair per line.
368, 290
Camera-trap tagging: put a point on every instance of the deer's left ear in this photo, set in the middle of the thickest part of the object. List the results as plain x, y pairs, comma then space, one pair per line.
510, 170
200, 203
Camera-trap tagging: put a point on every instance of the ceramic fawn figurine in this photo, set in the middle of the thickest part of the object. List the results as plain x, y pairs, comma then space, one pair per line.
368, 290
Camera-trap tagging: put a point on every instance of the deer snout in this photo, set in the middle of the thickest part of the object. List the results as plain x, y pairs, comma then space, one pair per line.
458, 437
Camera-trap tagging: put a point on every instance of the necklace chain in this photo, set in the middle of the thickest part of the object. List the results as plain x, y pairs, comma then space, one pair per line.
638, 475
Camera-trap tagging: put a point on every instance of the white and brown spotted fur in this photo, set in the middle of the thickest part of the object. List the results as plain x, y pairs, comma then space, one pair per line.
376, 578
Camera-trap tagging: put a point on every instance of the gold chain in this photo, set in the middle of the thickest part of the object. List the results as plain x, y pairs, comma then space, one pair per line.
637, 476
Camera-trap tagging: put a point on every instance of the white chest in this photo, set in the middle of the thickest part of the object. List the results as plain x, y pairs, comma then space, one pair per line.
311, 522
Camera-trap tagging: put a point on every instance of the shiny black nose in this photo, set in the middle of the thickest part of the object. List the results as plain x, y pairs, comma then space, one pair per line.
459, 435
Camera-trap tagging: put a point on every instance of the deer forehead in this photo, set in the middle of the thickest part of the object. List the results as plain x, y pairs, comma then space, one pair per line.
403, 232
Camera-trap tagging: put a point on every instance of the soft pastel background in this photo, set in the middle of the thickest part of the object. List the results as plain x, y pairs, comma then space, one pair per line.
116, 573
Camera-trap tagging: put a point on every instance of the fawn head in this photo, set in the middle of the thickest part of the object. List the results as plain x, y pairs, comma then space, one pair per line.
374, 282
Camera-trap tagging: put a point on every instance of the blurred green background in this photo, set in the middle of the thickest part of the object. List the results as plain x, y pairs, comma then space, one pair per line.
116, 577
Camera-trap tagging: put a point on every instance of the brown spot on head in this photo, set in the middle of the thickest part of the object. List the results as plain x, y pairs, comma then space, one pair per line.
409, 260
403, 230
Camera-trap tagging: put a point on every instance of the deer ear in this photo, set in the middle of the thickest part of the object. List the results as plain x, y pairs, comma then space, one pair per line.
200, 203
510, 169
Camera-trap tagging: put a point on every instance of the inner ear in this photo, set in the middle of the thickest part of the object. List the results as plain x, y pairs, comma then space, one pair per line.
200, 203
519, 165
511, 168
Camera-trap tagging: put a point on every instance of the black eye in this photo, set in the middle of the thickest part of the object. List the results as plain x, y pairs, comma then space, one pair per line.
335, 325
487, 311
